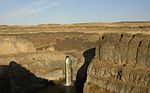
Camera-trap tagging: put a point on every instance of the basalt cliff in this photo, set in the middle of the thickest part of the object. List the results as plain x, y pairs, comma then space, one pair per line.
121, 65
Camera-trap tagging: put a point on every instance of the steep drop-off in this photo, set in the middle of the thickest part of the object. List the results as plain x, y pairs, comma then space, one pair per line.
121, 65
44, 53
13, 45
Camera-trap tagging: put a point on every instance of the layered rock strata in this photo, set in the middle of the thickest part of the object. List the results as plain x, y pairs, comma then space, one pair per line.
13, 45
121, 65
44, 53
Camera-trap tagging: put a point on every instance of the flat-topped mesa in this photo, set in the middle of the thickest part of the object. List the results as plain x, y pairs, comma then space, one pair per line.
121, 65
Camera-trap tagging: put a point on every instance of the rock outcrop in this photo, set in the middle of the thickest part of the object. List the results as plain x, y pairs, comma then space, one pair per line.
48, 65
17, 79
121, 65
44, 53
13, 45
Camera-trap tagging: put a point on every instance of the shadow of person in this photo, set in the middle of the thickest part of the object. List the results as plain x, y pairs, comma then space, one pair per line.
82, 72
15, 78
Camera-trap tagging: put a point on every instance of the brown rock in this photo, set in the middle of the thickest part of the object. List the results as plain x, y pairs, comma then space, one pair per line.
121, 65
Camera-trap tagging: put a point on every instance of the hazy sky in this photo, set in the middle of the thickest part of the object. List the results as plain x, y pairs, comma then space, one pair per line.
72, 11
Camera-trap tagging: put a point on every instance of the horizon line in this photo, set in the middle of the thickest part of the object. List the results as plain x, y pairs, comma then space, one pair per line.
71, 23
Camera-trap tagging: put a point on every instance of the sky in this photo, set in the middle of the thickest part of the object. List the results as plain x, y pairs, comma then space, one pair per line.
30, 12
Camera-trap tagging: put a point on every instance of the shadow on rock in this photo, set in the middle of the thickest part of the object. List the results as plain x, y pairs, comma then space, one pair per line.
82, 72
17, 79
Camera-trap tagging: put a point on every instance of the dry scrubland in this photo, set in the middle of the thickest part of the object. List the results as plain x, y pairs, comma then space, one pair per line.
120, 65
129, 27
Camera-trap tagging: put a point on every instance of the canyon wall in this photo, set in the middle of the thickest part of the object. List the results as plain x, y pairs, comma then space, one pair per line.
44, 53
13, 44
121, 65
43, 64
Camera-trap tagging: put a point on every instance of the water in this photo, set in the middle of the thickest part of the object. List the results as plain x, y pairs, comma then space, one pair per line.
59, 88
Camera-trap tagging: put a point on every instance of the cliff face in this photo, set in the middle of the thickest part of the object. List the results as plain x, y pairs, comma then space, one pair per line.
42, 64
13, 44
121, 65
44, 53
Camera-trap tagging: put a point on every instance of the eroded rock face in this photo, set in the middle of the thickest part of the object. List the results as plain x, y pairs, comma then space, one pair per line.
121, 65
48, 65
12, 45
44, 53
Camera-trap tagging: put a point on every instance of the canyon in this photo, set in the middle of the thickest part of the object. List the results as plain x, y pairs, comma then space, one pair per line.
106, 57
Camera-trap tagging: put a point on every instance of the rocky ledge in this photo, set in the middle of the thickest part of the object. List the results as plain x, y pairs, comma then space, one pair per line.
121, 65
